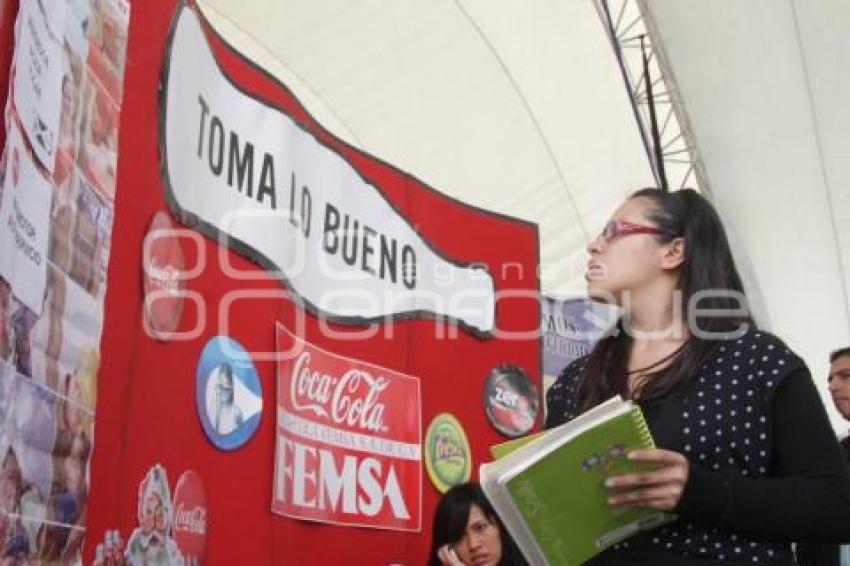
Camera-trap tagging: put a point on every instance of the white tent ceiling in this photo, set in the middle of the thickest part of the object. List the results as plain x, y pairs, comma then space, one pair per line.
519, 109
519, 106
765, 86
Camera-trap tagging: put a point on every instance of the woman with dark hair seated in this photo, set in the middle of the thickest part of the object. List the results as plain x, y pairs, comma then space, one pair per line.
468, 532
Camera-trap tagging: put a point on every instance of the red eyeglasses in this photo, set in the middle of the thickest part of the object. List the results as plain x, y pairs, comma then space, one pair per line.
619, 228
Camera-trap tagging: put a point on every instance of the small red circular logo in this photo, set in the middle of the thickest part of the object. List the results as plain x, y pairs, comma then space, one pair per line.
190, 517
163, 264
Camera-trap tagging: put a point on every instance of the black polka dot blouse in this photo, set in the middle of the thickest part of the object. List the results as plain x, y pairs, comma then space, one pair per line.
755, 445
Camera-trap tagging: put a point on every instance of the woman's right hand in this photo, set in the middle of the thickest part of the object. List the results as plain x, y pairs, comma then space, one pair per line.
448, 556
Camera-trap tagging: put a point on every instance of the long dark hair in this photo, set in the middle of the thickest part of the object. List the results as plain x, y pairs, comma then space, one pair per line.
708, 267
451, 517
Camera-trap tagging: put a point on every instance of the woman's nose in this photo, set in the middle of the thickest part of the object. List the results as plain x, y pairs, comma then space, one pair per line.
594, 246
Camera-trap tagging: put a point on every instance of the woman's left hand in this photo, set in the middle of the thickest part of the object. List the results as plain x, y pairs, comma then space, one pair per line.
660, 488
448, 556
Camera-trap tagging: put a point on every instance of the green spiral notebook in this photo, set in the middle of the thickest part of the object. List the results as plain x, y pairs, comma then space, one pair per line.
549, 490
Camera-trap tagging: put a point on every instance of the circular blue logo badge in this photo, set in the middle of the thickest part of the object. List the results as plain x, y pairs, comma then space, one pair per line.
228, 394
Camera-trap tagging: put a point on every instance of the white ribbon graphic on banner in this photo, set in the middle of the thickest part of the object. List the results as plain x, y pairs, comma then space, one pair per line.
248, 174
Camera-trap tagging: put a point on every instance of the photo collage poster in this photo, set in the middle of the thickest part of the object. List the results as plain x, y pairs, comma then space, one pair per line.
57, 193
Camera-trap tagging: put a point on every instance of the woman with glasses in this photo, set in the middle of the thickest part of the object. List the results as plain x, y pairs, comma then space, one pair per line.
746, 456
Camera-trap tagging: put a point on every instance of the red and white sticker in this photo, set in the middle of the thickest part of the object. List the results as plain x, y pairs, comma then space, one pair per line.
163, 265
190, 517
348, 440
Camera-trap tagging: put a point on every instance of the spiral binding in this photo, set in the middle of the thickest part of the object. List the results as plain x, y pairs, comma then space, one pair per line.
643, 429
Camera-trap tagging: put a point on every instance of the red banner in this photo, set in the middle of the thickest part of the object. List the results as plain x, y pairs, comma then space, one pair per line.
147, 389
349, 437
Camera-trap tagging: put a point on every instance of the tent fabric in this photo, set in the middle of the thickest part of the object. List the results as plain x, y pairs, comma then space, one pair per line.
519, 110
148, 412
523, 110
764, 86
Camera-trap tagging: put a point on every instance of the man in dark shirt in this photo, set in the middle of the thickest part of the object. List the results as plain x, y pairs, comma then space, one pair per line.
839, 385
839, 388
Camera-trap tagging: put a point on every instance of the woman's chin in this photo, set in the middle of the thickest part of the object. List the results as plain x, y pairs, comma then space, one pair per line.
597, 291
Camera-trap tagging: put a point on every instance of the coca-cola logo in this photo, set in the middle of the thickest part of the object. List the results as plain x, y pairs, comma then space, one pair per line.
163, 265
351, 399
166, 276
192, 520
190, 517
348, 449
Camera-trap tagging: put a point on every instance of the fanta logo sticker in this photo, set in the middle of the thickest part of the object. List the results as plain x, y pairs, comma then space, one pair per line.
448, 458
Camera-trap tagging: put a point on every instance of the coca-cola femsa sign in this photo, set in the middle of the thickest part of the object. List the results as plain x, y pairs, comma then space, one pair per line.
349, 437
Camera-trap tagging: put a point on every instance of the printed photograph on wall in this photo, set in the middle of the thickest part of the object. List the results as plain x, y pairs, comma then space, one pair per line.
58, 183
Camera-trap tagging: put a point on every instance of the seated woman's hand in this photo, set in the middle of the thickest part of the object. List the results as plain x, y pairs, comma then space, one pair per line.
448, 556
